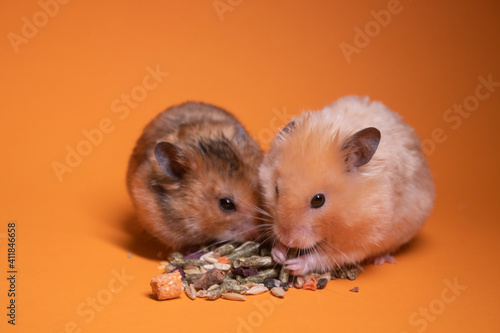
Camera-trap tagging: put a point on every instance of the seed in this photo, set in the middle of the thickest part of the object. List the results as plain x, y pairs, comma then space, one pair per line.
214, 293
327, 276
271, 283
299, 282
212, 287
257, 289
249, 284
190, 269
354, 290
352, 273
191, 292
321, 283
209, 257
234, 297
168, 267
278, 292
224, 267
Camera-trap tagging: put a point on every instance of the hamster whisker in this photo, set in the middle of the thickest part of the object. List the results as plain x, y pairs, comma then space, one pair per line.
264, 219
343, 268
256, 217
255, 208
266, 239
263, 226
331, 259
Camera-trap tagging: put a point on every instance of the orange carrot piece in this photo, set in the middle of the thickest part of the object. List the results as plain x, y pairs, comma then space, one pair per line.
223, 260
310, 283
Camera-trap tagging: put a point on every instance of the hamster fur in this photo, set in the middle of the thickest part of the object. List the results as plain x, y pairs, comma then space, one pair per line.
368, 166
193, 177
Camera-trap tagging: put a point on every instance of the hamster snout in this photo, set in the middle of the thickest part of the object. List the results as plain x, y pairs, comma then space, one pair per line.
193, 177
345, 184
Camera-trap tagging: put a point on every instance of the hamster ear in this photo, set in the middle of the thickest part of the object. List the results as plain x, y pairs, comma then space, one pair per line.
168, 156
240, 133
360, 147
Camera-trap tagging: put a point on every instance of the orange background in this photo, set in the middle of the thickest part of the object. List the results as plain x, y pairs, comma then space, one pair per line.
259, 59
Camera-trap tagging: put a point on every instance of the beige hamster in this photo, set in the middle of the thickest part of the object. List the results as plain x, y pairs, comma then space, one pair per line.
193, 177
345, 184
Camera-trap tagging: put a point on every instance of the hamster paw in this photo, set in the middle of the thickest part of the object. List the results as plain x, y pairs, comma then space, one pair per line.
300, 265
382, 259
279, 253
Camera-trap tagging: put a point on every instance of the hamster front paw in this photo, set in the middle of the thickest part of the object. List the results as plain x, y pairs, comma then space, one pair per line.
382, 259
301, 265
279, 253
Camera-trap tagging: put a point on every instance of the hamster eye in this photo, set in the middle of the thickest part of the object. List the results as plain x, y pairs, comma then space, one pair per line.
277, 191
227, 205
317, 201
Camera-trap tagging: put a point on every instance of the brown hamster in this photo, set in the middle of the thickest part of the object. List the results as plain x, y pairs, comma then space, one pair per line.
193, 177
345, 184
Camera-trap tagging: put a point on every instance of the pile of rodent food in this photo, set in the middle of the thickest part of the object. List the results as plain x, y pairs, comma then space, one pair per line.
232, 273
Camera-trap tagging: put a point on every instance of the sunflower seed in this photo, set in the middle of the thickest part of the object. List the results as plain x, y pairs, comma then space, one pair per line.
321, 283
